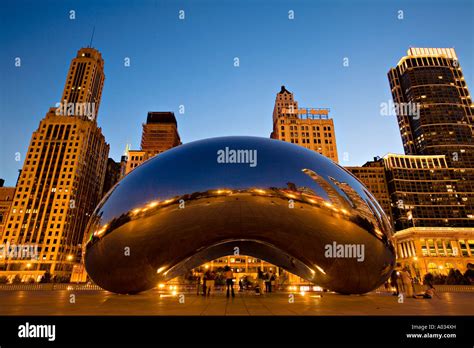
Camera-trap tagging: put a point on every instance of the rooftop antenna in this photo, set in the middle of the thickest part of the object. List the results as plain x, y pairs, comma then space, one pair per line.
92, 37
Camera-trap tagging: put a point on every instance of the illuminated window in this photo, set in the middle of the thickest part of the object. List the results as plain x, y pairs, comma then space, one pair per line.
431, 247
432, 268
439, 244
463, 246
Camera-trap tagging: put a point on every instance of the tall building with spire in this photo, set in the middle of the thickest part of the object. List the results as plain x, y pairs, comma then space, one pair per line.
308, 127
62, 177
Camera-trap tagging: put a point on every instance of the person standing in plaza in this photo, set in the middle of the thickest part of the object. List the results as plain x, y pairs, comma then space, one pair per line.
229, 280
268, 281
407, 282
210, 280
198, 284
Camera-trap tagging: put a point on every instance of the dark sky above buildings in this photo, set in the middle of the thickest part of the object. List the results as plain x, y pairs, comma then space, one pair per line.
190, 62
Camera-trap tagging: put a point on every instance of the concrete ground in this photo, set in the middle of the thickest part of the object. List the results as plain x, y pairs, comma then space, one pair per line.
59, 302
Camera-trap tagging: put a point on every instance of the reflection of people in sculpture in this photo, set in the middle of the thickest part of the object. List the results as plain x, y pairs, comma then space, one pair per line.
229, 280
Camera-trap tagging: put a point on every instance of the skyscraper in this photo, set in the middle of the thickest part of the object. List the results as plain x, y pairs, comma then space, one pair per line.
432, 186
6, 200
308, 127
62, 177
160, 133
432, 78
112, 175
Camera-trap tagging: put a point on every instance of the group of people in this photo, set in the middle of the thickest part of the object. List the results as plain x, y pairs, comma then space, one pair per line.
402, 281
205, 283
266, 279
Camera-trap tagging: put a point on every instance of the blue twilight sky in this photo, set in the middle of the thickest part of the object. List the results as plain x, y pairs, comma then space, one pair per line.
190, 62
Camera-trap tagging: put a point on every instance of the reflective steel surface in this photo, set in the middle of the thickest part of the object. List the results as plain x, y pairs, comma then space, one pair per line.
287, 205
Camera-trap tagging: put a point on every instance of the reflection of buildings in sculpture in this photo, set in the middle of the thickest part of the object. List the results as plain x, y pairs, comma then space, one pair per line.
372, 175
343, 198
363, 208
62, 177
435, 249
160, 133
307, 127
306, 190
333, 196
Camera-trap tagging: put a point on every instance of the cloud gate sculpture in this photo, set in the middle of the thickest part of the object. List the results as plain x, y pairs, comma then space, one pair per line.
254, 196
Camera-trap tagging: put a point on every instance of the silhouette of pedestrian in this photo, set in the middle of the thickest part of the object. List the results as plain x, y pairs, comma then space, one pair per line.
229, 280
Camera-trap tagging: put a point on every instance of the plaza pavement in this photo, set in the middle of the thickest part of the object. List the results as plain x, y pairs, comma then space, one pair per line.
58, 302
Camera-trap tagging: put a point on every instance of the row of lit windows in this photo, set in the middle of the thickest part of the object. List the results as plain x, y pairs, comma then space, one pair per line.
307, 141
437, 247
305, 128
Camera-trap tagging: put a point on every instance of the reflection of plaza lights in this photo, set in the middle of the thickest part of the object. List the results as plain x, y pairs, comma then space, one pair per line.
320, 269
101, 231
378, 232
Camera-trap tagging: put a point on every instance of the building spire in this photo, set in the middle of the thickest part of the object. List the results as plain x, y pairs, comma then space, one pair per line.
92, 37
